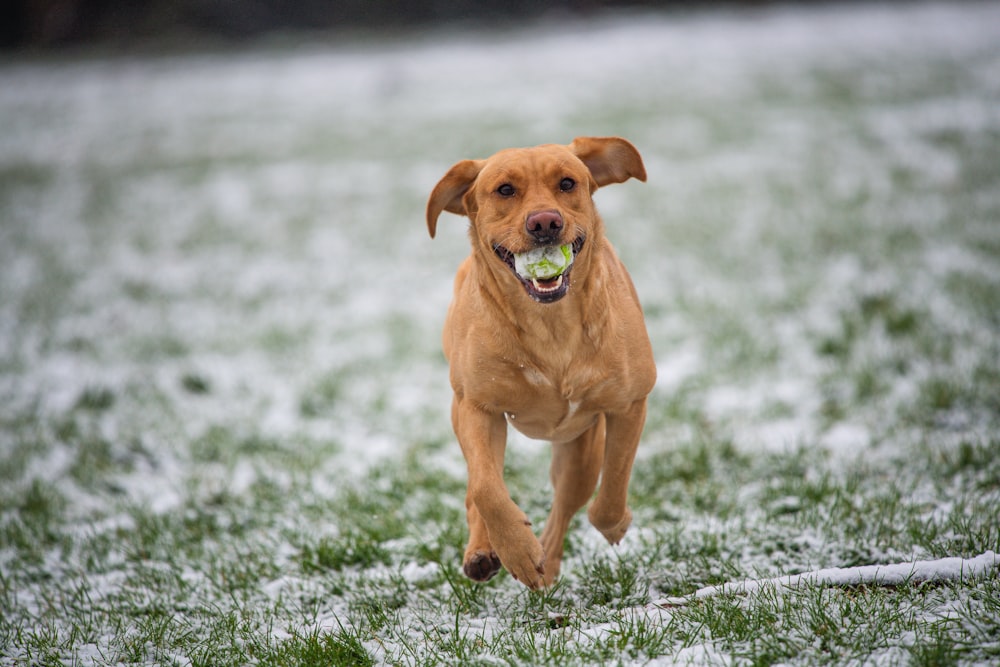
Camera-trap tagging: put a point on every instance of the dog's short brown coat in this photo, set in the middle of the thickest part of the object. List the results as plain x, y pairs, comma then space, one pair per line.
567, 360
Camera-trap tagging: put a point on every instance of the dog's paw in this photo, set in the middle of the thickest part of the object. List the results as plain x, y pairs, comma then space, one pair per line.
550, 575
529, 569
613, 529
523, 556
481, 566
553, 560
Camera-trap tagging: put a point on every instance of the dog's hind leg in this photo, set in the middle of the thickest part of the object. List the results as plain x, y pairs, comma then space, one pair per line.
576, 466
609, 512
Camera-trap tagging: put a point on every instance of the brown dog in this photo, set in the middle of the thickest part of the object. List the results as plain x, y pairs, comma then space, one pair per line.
565, 359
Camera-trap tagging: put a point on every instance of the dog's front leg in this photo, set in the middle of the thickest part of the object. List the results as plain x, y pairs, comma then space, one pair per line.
609, 512
496, 524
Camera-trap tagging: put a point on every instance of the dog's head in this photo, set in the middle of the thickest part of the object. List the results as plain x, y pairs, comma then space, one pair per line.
524, 199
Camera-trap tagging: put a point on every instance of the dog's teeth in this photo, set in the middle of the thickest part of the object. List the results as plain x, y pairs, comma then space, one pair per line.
557, 283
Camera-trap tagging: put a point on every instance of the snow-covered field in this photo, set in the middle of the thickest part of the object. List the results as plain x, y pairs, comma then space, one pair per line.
224, 432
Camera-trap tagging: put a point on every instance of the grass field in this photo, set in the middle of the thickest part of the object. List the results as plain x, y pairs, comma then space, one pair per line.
224, 432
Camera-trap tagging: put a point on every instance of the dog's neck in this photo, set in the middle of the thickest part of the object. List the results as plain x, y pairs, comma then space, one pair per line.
576, 318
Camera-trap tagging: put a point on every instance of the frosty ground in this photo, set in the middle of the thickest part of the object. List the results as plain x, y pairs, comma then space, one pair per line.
224, 433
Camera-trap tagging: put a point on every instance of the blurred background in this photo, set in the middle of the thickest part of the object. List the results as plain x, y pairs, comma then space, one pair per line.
33, 24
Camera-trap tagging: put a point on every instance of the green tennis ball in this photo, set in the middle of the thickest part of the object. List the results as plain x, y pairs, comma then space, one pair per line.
544, 263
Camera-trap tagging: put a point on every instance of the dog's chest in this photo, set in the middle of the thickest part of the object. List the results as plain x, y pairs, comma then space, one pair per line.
570, 384
548, 405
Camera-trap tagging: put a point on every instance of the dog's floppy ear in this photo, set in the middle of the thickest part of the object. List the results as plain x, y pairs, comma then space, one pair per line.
448, 194
609, 159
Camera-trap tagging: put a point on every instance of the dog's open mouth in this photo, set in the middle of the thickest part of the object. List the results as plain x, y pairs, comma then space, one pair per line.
544, 271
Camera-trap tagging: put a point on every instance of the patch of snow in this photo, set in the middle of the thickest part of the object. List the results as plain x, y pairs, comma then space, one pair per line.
699, 654
676, 366
846, 439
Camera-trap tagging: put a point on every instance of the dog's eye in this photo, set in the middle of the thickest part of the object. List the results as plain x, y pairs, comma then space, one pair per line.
506, 190
567, 184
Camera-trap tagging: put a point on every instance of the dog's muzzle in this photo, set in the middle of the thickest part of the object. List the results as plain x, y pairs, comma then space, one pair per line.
542, 290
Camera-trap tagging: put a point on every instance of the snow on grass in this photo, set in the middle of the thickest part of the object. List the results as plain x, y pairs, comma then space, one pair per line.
224, 432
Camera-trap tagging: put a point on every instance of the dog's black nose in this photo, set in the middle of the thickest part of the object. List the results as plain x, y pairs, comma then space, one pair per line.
544, 226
